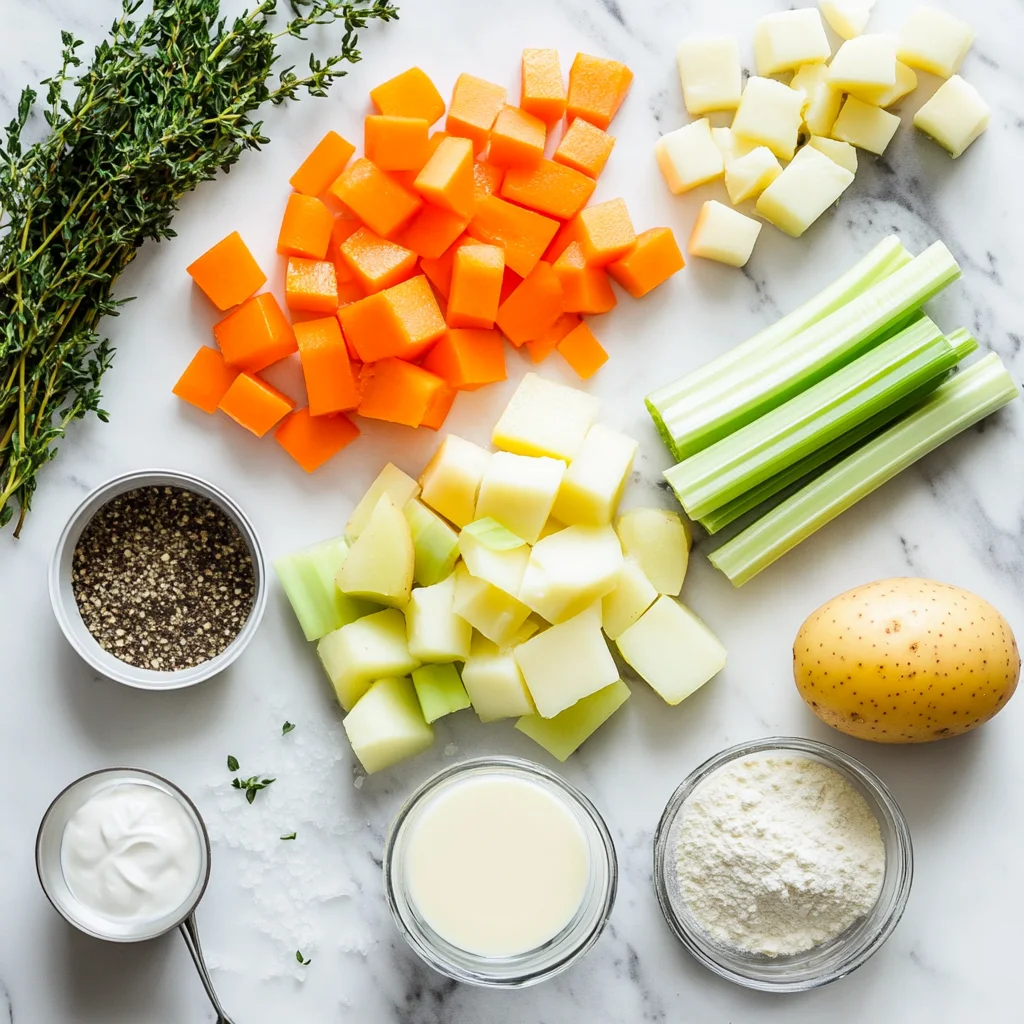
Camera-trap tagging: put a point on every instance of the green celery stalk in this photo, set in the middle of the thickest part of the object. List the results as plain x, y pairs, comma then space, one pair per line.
961, 402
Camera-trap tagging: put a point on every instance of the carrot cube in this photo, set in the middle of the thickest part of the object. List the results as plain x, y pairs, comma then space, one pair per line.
487, 179
398, 392
252, 403
543, 92
523, 234
375, 262
323, 165
396, 143
533, 307
604, 231
206, 380
440, 405
585, 289
432, 231
349, 291
550, 188
311, 285
312, 440
597, 87
344, 227
306, 227
509, 283
326, 367
477, 273
379, 201
410, 94
447, 177
654, 259
402, 321
585, 148
582, 351
475, 104
439, 271
227, 273
468, 359
255, 335
541, 347
517, 139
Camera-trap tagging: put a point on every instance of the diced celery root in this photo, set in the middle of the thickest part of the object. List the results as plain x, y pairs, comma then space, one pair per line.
502, 569
770, 114
731, 147
906, 83
490, 611
545, 418
435, 544
787, 39
439, 691
391, 480
380, 564
660, 541
934, 41
803, 191
452, 478
633, 595
865, 67
841, 153
724, 235
495, 683
748, 176
593, 484
688, 157
847, 18
865, 126
955, 116
387, 725
519, 492
710, 73
436, 634
564, 734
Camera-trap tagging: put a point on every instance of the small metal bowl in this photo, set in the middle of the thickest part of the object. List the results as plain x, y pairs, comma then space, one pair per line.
65, 608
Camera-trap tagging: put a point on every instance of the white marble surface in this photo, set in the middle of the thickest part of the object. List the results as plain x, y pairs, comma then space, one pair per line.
957, 516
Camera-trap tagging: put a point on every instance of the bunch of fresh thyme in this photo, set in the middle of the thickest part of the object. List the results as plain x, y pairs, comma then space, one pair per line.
167, 102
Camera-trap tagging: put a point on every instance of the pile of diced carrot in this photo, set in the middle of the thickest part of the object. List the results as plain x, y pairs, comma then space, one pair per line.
407, 265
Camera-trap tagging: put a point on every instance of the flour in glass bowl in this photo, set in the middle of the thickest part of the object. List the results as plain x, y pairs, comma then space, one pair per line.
777, 855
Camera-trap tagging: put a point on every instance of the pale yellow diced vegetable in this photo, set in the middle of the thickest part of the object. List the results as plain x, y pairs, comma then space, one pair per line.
519, 492
822, 109
494, 683
865, 126
660, 541
633, 595
502, 569
710, 73
499, 616
865, 67
452, 478
748, 176
769, 115
787, 39
563, 735
955, 116
387, 725
379, 565
545, 418
847, 18
803, 191
841, 152
688, 157
729, 145
934, 41
807, 79
906, 83
593, 484
436, 634
391, 480
723, 235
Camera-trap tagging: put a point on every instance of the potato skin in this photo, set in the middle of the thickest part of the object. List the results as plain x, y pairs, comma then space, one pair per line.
906, 661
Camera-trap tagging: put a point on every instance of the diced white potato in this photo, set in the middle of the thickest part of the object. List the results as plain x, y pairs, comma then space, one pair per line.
391, 480
841, 152
729, 145
436, 634
502, 569
550, 527
452, 478
865, 67
519, 492
748, 176
499, 616
934, 41
566, 663
566, 732
439, 690
362, 651
724, 235
672, 650
570, 571
770, 114
533, 625
435, 543
495, 683
865, 126
787, 39
387, 725
379, 567
593, 484
688, 157
906, 83
803, 191
807, 78
660, 541
822, 109
545, 418
955, 116
710, 73
847, 18
633, 595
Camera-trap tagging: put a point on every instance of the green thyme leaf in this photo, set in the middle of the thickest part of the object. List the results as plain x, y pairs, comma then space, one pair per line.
232, 763
291, 835
301, 959
287, 728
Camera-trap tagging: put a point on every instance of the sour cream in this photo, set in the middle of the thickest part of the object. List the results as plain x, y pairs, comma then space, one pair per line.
131, 853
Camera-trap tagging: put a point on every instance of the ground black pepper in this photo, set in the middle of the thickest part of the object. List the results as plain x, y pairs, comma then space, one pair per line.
163, 578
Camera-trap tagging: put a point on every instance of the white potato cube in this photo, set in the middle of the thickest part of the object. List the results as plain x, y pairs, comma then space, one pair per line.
672, 650
770, 114
499, 616
729, 145
387, 725
748, 176
436, 634
502, 569
724, 235
847, 18
565, 733
865, 126
452, 478
784, 41
803, 191
821, 102
566, 663
710, 73
533, 625
906, 83
806, 79
688, 157
391, 480
955, 116
494, 682
593, 484
545, 418
865, 67
660, 541
841, 152
519, 492
934, 41
379, 566
633, 595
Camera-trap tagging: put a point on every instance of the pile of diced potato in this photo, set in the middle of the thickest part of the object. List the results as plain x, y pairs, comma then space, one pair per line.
496, 581
791, 149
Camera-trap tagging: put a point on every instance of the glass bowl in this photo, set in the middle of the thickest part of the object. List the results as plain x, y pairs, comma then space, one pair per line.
820, 965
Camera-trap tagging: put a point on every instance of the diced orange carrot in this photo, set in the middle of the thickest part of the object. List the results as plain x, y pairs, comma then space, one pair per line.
306, 227
396, 143
487, 179
440, 405
533, 307
402, 321
540, 348
206, 380
517, 139
475, 104
343, 228
349, 291
550, 188
227, 272
255, 335
312, 440
582, 351
379, 201
567, 233
432, 231
439, 271
523, 234
311, 285
585, 148
586, 289
468, 359
604, 231
509, 283
376, 262
597, 87
477, 274
410, 94
252, 403
447, 177
326, 367
323, 165
654, 259
543, 92
398, 392
407, 179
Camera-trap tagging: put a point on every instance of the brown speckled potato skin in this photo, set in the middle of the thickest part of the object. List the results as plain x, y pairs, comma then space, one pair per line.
906, 661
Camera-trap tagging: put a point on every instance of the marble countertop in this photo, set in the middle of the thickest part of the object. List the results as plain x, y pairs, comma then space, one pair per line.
957, 516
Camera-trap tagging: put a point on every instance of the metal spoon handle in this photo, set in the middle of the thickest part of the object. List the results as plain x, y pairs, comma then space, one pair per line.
190, 933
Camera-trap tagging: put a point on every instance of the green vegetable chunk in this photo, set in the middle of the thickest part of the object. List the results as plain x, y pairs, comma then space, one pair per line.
440, 691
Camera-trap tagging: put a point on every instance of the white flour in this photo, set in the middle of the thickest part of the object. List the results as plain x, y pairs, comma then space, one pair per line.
778, 854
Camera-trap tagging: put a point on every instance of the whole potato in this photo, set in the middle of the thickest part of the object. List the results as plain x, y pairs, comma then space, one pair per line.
906, 661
